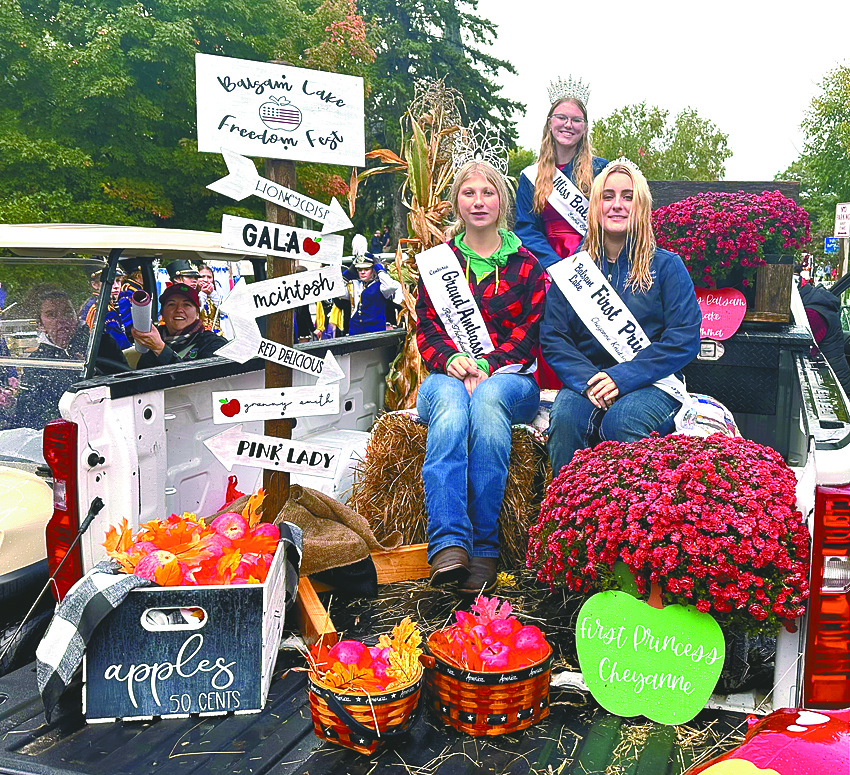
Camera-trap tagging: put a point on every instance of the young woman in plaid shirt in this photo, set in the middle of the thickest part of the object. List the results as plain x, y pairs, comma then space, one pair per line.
470, 403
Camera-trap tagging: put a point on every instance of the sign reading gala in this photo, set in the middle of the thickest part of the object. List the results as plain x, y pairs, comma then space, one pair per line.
278, 111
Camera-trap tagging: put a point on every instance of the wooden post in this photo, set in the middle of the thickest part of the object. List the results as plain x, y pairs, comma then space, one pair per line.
279, 328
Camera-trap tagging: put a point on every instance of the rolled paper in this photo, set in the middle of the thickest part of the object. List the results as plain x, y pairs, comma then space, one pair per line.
140, 307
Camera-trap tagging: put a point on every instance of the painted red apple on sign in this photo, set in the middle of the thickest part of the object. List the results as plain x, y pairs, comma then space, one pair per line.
723, 310
229, 408
280, 113
311, 246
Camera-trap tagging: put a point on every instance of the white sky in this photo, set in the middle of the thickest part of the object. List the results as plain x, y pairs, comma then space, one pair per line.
751, 67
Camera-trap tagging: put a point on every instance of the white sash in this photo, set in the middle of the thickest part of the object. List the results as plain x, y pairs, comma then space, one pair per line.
452, 298
606, 316
565, 198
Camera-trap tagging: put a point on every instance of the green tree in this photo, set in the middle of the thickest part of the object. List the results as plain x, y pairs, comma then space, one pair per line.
823, 167
97, 100
687, 148
413, 39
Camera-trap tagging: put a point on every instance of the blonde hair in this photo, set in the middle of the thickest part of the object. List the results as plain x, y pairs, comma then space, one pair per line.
641, 239
493, 177
582, 168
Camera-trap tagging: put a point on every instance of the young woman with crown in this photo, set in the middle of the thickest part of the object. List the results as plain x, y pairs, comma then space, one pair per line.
551, 200
479, 309
621, 320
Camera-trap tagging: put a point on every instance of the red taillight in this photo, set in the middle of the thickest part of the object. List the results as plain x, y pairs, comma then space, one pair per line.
827, 675
60, 452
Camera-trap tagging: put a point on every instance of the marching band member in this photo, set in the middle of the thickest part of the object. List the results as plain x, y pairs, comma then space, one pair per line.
621, 320
480, 302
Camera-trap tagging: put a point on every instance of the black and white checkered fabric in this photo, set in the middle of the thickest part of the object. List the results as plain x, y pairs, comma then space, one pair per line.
94, 597
87, 603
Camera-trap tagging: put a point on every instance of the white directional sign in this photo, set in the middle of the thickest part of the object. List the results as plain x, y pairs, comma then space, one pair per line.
279, 112
231, 406
249, 343
235, 447
842, 220
244, 180
282, 293
275, 239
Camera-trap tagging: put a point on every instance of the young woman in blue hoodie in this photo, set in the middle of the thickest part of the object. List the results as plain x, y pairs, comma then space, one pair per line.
603, 399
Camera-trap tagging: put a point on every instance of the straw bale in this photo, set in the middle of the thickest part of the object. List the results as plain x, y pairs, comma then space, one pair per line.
388, 487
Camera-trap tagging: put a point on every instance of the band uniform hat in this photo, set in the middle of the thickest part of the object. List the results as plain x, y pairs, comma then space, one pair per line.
129, 265
180, 289
366, 261
182, 267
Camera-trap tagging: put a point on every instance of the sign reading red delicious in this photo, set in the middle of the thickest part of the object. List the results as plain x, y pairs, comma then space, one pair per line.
722, 310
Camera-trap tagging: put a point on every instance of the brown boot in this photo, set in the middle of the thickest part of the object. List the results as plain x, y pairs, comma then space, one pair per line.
449, 565
482, 576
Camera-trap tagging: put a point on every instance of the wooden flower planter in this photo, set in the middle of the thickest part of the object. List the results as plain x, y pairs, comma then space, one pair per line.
772, 302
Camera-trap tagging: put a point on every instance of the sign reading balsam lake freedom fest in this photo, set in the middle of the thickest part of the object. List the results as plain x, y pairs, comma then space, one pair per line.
235, 447
278, 111
662, 663
274, 403
249, 343
244, 180
275, 239
722, 309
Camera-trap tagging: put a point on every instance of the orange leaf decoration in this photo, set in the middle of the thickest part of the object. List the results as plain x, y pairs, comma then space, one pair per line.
118, 540
256, 545
254, 508
228, 563
169, 575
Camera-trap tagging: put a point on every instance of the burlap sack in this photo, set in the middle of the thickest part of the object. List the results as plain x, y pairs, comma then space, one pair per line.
334, 534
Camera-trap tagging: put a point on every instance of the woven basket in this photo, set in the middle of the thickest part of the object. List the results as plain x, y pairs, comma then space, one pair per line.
489, 703
349, 718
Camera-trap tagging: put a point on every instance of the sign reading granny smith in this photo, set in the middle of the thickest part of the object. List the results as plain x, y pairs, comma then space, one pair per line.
278, 111
638, 660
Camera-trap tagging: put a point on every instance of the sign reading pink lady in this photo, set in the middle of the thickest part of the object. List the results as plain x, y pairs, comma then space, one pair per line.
278, 111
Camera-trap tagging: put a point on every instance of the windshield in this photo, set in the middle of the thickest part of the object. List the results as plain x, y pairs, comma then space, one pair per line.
44, 340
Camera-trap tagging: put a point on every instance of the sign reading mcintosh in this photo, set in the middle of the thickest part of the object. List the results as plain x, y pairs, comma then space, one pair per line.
279, 112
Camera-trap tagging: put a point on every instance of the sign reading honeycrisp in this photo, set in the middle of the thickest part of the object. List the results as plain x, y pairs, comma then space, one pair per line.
278, 111
638, 660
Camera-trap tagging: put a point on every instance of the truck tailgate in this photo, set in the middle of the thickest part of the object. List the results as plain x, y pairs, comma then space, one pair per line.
577, 737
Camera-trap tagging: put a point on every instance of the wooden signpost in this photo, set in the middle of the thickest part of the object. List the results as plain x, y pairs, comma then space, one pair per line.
274, 403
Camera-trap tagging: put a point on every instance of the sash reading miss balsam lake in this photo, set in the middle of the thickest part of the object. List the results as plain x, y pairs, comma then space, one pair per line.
565, 198
453, 300
606, 316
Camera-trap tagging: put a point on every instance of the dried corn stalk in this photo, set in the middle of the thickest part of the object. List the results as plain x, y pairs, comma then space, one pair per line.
425, 162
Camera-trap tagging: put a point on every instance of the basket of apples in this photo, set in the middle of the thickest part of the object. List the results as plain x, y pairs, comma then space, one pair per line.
490, 673
361, 697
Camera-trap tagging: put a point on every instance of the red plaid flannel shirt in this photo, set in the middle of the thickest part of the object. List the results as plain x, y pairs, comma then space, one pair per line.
512, 315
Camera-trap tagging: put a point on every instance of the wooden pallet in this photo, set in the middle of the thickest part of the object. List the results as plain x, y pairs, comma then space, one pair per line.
407, 563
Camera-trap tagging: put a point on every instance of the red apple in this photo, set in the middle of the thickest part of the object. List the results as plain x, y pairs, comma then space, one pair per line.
311, 247
229, 408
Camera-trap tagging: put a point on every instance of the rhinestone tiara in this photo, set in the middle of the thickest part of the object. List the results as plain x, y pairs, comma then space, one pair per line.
624, 162
479, 142
561, 90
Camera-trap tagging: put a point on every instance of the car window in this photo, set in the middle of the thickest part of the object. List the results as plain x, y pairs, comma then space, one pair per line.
44, 339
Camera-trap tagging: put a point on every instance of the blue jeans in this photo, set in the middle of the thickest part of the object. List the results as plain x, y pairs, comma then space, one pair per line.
575, 423
467, 454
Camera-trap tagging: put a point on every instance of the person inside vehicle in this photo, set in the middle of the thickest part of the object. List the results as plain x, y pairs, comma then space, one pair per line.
481, 374
61, 336
184, 271
823, 310
210, 298
603, 399
182, 336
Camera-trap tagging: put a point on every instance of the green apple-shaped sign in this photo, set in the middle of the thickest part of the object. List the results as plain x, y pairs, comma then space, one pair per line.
662, 663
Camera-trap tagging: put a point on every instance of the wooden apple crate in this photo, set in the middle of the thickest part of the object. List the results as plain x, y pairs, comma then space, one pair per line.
407, 563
